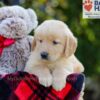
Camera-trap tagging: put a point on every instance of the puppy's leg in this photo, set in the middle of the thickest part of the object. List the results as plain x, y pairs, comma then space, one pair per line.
77, 65
59, 78
43, 75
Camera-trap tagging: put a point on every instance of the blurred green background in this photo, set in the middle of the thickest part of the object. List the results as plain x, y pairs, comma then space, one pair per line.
86, 30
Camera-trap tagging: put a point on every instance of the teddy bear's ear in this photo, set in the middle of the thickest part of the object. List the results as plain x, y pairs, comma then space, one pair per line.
2, 13
33, 18
5, 12
70, 45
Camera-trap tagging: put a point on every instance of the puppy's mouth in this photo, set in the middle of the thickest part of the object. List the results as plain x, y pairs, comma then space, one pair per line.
45, 60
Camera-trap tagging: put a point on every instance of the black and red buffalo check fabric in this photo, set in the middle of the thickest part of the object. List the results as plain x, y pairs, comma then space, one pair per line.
24, 86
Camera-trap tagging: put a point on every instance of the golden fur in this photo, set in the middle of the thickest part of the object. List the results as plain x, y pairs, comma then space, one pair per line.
61, 60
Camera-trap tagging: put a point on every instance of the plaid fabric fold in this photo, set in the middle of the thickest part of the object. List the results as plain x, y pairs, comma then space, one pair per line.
24, 86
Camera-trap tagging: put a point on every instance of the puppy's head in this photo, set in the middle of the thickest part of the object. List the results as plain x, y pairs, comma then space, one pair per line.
53, 40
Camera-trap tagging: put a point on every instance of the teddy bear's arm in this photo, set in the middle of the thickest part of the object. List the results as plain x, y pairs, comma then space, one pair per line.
30, 40
5, 70
8, 61
23, 51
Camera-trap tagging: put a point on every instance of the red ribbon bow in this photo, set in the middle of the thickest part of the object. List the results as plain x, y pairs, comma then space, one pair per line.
5, 42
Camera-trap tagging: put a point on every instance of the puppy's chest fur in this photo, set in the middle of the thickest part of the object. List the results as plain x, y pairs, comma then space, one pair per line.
60, 64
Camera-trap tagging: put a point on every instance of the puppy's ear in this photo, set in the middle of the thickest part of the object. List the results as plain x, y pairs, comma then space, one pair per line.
33, 44
70, 45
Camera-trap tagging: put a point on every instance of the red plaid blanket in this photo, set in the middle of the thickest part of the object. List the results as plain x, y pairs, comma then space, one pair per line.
24, 86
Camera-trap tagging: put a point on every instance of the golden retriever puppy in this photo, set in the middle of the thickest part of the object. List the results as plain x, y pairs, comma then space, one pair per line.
52, 58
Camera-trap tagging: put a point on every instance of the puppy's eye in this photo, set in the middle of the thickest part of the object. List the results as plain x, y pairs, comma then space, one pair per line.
55, 42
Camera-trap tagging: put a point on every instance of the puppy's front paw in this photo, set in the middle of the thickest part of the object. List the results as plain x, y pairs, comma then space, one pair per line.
45, 80
59, 84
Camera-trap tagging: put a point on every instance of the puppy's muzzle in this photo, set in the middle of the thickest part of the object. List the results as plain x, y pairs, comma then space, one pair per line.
44, 55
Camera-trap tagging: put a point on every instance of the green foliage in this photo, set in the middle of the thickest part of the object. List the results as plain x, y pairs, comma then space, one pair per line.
1, 4
86, 30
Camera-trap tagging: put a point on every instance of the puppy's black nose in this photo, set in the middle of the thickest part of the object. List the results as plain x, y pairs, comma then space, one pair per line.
44, 55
